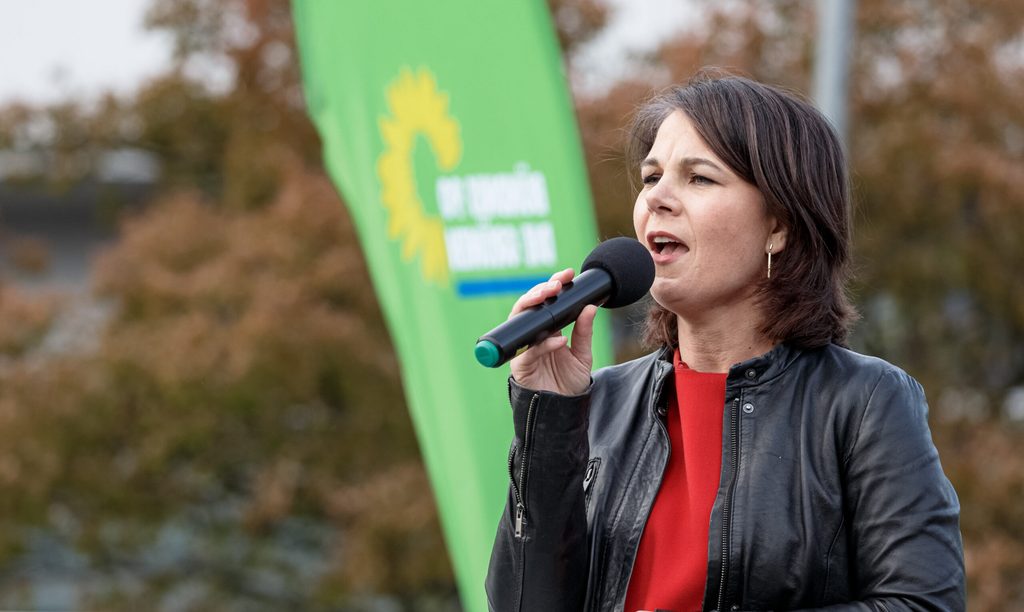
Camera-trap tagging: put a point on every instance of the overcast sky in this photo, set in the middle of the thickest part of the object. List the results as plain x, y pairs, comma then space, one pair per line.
53, 49
56, 49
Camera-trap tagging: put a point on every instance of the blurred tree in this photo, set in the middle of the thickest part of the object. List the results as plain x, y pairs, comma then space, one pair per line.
938, 150
577, 22
259, 118
235, 411
240, 438
24, 320
245, 401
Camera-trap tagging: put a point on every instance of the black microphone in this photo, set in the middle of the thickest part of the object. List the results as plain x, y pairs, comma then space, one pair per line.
617, 273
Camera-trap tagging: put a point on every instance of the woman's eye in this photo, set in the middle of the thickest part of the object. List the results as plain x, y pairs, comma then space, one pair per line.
651, 179
699, 179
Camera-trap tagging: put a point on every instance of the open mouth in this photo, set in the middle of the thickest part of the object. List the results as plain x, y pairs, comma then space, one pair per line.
666, 245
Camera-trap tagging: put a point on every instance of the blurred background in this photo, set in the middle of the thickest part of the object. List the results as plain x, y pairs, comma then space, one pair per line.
199, 406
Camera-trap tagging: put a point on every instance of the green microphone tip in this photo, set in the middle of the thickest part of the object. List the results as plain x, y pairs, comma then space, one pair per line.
487, 354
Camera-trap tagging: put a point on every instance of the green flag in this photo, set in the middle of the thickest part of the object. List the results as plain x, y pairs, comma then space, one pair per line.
449, 131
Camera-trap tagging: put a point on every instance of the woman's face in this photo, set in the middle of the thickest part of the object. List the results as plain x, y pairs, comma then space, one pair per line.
707, 229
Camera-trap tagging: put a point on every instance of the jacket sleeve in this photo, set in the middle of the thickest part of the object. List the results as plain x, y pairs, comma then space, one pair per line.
905, 531
539, 559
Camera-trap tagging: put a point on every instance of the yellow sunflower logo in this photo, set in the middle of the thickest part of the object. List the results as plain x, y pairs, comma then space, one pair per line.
417, 108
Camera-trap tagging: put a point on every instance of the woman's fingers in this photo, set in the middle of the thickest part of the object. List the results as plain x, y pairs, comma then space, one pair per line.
551, 344
563, 276
535, 296
541, 292
582, 333
550, 364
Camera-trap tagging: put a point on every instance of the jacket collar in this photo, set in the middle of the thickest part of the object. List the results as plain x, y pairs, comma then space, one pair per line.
763, 368
751, 372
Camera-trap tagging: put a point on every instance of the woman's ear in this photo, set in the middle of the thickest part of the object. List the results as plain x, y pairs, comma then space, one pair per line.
777, 237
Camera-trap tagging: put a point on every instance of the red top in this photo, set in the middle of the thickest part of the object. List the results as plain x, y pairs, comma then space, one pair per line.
672, 563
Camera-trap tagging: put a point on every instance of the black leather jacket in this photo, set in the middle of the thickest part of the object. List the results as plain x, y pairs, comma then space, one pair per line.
831, 490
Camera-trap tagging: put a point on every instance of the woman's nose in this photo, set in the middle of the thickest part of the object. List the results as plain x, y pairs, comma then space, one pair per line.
662, 199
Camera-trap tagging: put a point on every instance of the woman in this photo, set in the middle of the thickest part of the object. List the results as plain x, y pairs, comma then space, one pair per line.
751, 462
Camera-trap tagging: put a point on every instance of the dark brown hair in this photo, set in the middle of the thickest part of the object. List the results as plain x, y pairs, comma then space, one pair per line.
782, 145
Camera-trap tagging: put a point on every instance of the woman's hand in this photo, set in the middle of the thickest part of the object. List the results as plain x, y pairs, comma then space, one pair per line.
555, 365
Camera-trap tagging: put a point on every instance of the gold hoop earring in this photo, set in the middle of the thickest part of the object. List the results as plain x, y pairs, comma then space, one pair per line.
769, 260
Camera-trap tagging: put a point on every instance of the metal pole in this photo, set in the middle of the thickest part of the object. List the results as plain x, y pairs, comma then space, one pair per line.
832, 60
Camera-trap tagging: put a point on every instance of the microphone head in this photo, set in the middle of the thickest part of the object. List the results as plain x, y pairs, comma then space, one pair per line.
630, 266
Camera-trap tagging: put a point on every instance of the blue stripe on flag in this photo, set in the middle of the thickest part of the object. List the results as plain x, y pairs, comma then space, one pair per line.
497, 286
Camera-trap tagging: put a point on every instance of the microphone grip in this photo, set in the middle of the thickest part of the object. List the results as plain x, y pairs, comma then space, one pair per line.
535, 324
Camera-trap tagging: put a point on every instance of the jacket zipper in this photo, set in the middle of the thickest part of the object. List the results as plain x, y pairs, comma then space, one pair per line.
734, 426
588, 480
657, 389
515, 486
524, 472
